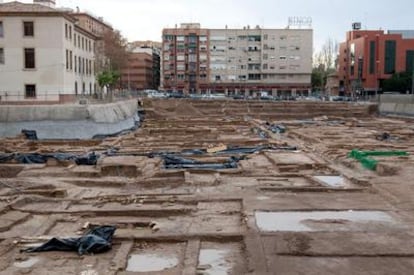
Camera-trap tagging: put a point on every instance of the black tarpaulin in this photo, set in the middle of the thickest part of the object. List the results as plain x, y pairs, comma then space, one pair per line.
97, 240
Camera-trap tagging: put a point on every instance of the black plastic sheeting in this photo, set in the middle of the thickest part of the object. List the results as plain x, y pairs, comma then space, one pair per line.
176, 162
97, 240
30, 134
277, 128
36, 158
137, 124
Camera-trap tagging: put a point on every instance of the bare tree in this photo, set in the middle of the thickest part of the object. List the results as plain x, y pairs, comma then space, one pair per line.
324, 63
111, 52
327, 56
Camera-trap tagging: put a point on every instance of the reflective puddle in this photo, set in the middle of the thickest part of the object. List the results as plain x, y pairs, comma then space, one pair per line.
319, 220
150, 263
27, 263
213, 262
333, 181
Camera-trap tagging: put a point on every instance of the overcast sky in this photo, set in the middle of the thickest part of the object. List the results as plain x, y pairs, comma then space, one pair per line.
145, 19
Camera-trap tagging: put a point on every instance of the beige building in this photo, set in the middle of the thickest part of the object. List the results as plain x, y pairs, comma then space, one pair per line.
244, 61
44, 55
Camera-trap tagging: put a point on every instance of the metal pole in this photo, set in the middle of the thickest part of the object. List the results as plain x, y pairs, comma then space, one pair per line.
412, 85
412, 81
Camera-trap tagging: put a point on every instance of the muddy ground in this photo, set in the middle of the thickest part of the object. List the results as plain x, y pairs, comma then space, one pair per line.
296, 205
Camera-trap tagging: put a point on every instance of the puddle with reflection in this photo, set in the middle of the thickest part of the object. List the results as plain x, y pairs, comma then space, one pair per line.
332, 181
213, 262
150, 263
318, 220
27, 263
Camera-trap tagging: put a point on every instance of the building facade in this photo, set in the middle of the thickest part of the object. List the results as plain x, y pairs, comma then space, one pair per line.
44, 55
98, 27
139, 74
237, 61
368, 57
149, 47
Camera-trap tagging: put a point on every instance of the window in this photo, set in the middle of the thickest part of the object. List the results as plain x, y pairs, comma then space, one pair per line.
70, 60
29, 58
70, 32
76, 64
1, 29
67, 59
390, 56
79, 64
30, 91
74, 39
66, 31
1, 56
372, 50
28, 28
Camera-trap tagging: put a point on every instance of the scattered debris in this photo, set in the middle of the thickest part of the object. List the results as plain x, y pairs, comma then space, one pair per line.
217, 148
383, 137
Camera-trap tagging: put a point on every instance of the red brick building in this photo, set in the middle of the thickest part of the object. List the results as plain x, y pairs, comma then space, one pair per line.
142, 70
368, 57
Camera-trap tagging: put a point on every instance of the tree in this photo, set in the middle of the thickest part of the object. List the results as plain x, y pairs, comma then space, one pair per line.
113, 54
399, 82
108, 78
324, 63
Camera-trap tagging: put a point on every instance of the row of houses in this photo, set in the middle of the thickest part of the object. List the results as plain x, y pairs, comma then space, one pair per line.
50, 54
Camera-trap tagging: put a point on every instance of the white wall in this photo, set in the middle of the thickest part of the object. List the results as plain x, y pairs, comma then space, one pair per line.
50, 75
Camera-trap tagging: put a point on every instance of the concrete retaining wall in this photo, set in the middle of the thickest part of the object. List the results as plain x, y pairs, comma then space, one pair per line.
101, 113
397, 105
68, 121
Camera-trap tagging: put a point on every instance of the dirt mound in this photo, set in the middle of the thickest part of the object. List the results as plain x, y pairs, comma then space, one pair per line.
175, 108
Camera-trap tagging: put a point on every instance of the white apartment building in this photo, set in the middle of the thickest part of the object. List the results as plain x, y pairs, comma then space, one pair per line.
249, 61
44, 55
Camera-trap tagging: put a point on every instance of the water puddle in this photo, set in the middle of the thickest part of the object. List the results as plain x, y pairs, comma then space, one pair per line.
332, 181
150, 263
213, 262
27, 263
318, 220
263, 198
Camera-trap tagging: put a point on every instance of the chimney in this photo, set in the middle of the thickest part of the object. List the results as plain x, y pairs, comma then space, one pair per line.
47, 3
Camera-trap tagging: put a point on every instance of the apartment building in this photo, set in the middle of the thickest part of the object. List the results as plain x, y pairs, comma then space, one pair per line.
150, 47
44, 55
140, 72
98, 27
185, 61
368, 57
238, 61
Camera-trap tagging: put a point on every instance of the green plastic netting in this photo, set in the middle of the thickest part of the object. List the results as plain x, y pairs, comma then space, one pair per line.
364, 157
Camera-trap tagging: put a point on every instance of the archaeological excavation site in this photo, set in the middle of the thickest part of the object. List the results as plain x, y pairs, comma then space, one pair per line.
212, 187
